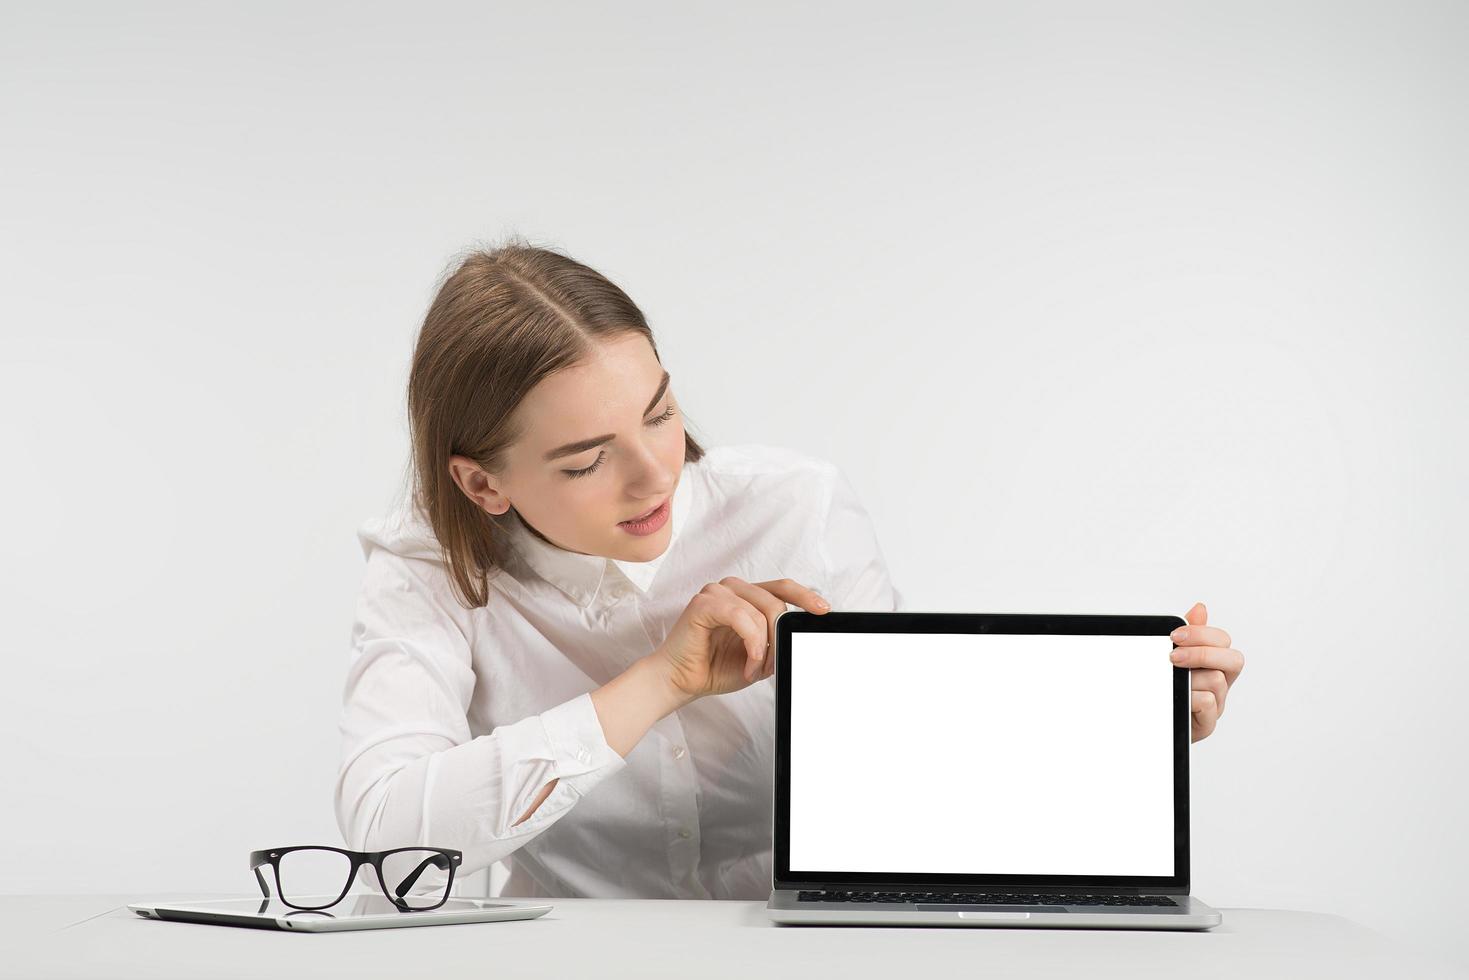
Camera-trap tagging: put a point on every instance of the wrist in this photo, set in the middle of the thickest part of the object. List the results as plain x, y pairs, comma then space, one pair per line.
659, 679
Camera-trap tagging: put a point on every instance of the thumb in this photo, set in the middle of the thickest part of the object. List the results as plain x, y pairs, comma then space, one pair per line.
1198, 615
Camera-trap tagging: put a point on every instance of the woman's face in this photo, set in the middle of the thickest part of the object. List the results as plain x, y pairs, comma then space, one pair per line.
603, 442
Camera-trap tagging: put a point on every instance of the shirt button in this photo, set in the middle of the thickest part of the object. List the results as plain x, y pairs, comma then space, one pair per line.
678, 752
684, 833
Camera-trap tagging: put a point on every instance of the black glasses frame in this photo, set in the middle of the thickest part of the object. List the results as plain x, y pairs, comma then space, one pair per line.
445, 859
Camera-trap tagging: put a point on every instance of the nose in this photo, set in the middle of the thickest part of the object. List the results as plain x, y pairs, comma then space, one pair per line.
652, 479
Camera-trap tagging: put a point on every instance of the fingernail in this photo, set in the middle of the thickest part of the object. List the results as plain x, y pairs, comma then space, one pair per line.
1180, 634
1176, 656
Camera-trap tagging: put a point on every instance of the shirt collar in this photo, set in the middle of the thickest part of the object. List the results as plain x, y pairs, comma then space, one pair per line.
581, 576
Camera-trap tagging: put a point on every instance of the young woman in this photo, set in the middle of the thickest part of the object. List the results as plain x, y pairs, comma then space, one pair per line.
562, 639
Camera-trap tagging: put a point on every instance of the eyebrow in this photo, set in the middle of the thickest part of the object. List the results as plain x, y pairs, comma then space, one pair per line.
572, 448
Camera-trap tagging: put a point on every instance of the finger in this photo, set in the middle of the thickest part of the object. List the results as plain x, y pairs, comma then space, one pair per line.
1205, 714
1209, 636
751, 628
770, 606
1212, 681
767, 667
772, 597
1224, 659
745, 619
762, 656
796, 594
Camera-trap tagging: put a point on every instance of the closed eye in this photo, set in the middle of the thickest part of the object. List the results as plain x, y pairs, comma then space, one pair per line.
659, 420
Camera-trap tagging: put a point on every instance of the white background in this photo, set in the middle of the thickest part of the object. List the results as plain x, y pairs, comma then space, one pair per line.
952, 753
1102, 310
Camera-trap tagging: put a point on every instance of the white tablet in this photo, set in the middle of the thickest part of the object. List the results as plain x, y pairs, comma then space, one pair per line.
355, 911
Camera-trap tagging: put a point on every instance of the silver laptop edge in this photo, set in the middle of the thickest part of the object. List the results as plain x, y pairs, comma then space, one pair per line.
1190, 914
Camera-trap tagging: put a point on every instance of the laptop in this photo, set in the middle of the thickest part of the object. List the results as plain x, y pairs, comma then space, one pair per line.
981, 769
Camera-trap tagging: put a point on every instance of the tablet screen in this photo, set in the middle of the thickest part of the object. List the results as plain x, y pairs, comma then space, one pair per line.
981, 753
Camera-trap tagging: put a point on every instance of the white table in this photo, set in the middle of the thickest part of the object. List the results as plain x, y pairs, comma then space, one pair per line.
95, 936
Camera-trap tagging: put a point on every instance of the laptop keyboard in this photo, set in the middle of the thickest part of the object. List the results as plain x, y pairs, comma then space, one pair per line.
985, 898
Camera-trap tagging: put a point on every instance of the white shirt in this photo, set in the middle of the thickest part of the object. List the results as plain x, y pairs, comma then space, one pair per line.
454, 719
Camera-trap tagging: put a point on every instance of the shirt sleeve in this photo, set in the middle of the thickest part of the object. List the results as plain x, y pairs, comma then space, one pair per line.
856, 569
410, 771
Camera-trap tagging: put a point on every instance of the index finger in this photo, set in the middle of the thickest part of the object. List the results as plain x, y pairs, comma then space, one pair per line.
1226, 659
796, 594
1209, 636
771, 599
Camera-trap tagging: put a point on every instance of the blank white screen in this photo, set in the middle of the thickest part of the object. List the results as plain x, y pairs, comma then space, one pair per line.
981, 754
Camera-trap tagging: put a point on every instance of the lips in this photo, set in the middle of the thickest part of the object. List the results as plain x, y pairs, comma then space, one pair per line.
645, 515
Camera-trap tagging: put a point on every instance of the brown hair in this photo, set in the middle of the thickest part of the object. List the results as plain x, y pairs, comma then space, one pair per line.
501, 321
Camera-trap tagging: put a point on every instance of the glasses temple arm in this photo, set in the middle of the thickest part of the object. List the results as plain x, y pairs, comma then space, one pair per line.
438, 861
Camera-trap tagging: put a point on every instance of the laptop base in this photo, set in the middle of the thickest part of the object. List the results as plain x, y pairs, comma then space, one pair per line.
784, 909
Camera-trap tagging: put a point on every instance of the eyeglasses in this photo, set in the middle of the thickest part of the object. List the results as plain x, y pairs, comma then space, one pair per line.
300, 871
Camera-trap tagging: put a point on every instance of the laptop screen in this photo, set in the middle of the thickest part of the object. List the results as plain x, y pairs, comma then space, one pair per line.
967, 753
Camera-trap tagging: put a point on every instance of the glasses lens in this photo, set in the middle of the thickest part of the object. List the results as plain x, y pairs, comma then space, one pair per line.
312, 877
418, 878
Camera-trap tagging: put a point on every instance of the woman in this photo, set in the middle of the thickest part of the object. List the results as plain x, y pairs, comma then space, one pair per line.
577, 588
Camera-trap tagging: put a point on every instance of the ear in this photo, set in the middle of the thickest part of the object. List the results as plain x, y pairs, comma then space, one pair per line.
478, 485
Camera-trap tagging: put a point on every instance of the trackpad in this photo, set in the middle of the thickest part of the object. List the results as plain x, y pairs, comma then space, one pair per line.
1025, 909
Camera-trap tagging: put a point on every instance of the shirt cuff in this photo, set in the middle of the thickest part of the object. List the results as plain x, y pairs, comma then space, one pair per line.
565, 742
579, 745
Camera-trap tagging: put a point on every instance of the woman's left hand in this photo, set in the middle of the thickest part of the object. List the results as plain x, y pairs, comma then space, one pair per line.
1213, 666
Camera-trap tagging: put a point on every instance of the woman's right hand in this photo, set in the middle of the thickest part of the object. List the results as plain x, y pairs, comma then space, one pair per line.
724, 641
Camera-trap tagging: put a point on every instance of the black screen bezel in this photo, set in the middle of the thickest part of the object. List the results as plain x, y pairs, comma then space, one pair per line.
793, 621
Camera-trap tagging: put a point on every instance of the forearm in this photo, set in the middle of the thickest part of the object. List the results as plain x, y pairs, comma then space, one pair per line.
489, 794
633, 702
627, 706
